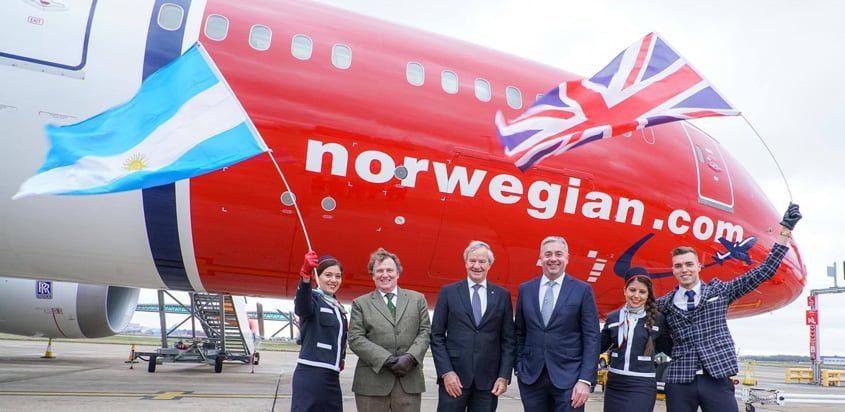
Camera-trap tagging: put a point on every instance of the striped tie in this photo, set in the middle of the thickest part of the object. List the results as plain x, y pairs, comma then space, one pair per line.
690, 299
390, 305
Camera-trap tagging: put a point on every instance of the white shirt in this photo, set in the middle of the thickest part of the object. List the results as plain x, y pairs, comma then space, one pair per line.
395, 293
555, 291
482, 294
680, 298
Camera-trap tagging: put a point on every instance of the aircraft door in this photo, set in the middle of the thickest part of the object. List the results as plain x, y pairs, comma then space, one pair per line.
57, 34
715, 187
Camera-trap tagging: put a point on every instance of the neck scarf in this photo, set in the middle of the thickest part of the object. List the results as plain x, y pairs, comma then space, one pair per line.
331, 300
628, 318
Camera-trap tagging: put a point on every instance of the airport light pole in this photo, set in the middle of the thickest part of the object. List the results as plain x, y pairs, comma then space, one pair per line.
812, 321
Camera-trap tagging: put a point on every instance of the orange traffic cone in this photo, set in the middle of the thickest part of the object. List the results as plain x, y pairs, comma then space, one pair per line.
49, 353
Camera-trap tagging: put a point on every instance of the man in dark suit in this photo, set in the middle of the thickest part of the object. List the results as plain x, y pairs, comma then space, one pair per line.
703, 355
472, 338
557, 335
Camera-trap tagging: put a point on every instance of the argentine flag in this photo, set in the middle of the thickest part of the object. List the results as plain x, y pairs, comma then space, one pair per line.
183, 122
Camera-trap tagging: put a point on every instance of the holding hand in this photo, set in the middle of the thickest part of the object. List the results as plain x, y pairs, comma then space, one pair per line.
403, 365
308, 265
791, 217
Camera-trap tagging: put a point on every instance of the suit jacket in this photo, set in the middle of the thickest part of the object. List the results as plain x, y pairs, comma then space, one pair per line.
701, 338
569, 346
478, 354
630, 359
322, 329
374, 335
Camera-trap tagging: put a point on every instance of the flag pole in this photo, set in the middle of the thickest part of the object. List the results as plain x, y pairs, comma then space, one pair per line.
788, 190
258, 138
293, 197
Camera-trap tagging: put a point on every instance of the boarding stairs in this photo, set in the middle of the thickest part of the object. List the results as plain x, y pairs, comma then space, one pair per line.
225, 322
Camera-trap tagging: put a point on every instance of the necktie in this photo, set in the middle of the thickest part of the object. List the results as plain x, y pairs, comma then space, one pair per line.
548, 302
390, 305
476, 304
690, 299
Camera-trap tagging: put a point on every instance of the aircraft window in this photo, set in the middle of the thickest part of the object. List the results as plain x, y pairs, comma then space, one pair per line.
341, 56
259, 37
514, 97
301, 47
482, 90
415, 73
170, 16
449, 82
216, 27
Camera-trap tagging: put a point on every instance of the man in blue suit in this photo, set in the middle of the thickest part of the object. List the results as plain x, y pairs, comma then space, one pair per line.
557, 335
472, 338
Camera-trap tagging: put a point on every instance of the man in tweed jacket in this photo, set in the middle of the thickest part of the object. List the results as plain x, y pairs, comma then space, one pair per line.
703, 355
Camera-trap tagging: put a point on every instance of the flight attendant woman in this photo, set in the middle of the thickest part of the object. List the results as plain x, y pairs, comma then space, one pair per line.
322, 331
634, 334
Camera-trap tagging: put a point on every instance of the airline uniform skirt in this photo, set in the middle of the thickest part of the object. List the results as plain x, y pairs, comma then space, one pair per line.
629, 393
315, 389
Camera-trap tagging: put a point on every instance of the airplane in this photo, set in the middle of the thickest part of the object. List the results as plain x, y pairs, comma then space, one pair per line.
735, 250
385, 135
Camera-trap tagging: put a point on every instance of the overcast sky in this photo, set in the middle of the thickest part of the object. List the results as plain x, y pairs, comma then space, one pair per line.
777, 61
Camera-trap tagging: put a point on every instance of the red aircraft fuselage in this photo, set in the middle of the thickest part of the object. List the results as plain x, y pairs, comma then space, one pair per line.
380, 150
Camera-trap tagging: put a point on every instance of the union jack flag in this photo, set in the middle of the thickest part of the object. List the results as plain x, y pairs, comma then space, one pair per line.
645, 85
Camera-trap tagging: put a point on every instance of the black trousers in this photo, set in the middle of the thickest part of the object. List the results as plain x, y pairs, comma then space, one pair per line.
711, 394
472, 399
543, 396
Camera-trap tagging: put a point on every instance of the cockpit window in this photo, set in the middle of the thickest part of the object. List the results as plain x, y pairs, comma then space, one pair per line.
170, 16
216, 27
259, 37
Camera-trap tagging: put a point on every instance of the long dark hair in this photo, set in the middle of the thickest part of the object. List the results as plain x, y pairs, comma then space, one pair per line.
650, 308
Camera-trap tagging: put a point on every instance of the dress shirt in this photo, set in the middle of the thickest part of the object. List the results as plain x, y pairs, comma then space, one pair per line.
680, 298
482, 293
395, 293
555, 292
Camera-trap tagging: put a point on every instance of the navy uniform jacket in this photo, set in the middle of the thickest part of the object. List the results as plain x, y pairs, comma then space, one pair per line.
629, 359
701, 337
478, 354
322, 329
569, 346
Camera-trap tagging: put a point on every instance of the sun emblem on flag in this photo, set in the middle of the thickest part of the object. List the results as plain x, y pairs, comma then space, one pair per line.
135, 162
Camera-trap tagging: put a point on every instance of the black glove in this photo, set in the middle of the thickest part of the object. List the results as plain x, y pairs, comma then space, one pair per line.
791, 217
403, 365
390, 362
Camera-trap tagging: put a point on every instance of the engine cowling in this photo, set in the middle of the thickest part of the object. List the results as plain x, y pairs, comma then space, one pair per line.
64, 310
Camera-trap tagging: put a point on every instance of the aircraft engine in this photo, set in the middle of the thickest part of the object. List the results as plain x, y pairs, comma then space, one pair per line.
64, 310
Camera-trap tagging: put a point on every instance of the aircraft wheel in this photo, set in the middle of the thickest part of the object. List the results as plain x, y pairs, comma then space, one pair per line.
151, 367
256, 358
218, 364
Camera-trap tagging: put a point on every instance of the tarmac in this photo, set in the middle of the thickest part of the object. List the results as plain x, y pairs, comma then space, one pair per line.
95, 377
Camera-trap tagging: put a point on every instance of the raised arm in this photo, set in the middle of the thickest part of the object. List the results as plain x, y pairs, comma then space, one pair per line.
749, 281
